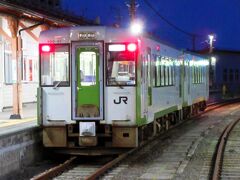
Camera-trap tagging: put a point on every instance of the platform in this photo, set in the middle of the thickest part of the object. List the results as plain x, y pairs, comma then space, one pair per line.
29, 119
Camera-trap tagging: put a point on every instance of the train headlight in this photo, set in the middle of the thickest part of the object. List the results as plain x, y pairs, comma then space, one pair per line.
131, 47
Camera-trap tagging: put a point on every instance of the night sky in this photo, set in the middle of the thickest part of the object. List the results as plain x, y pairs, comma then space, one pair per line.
201, 17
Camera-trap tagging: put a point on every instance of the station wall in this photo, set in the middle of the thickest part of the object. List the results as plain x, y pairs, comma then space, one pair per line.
29, 64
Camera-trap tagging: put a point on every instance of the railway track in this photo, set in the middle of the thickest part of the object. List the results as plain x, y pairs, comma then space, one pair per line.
227, 156
187, 145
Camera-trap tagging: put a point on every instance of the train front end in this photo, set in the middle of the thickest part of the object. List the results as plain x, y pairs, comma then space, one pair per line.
87, 89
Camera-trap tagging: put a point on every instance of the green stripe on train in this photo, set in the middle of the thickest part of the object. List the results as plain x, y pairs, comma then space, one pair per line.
165, 112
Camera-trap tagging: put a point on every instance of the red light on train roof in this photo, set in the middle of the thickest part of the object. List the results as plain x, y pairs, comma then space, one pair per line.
131, 47
46, 48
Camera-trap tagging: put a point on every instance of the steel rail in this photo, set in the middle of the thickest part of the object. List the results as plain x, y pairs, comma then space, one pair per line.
60, 168
109, 165
112, 163
55, 170
219, 153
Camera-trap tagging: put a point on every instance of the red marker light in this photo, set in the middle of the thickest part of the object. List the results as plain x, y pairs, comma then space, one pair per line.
46, 48
132, 47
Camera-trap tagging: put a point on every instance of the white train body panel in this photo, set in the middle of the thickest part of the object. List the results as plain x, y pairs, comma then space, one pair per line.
57, 107
120, 113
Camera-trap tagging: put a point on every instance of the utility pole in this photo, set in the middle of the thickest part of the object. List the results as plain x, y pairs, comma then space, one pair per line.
132, 10
118, 15
132, 6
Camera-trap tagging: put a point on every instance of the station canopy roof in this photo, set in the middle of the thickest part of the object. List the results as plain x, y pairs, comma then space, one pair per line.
33, 13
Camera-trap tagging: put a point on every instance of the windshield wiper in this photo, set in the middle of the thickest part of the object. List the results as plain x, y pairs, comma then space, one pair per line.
119, 85
56, 85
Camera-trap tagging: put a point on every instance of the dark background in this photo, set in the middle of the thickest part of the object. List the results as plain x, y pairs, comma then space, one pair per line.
200, 17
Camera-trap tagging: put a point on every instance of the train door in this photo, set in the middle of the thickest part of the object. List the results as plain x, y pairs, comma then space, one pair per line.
149, 77
181, 79
146, 95
87, 76
185, 82
144, 109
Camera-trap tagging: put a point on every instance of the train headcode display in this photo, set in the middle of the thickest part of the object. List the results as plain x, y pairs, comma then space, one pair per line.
87, 35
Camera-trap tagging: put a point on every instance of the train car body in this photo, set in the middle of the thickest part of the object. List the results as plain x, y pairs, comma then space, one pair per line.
103, 87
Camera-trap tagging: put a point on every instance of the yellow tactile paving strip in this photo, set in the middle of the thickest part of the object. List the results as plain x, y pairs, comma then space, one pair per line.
12, 122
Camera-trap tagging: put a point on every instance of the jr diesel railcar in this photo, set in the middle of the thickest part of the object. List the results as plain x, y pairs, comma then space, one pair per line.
103, 87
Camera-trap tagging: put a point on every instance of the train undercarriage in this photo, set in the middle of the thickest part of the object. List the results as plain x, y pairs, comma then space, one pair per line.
113, 139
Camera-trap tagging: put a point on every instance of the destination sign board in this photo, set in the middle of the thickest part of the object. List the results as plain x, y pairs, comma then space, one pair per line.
87, 35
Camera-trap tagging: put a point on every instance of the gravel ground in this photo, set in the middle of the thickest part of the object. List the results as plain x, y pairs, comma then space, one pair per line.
185, 153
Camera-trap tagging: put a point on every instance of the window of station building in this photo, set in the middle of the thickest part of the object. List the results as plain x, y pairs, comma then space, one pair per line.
236, 75
225, 75
29, 69
164, 75
8, 64
55, 66
231, 75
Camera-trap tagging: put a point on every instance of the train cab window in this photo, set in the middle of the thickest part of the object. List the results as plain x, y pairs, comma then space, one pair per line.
54, 65
120, 66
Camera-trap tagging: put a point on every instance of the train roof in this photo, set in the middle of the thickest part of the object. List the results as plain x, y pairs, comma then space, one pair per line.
110, 34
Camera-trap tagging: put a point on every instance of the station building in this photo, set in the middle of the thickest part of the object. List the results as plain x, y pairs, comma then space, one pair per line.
21, 22
226, 72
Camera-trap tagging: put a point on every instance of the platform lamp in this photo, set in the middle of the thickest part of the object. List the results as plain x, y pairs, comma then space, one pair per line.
212, 38
136, 27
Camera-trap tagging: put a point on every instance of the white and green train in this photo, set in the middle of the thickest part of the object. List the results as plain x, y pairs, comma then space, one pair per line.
103, 88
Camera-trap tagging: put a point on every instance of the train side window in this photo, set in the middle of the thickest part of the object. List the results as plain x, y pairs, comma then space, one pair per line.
166, 75
54, 65
173, 72
162, 70
170, 75
158, 72
198, 74
193, 74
